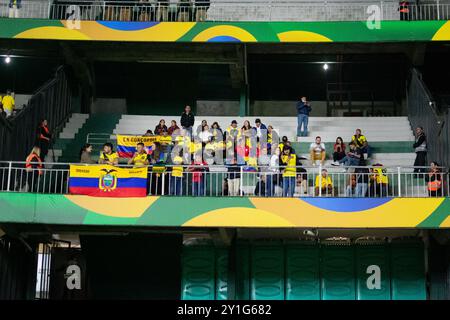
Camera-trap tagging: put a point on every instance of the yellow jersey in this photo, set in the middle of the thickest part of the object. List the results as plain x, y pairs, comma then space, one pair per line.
109, 157
290, 162
165, 139
326, 182
359, 141
380, 177
8, 103
140, 160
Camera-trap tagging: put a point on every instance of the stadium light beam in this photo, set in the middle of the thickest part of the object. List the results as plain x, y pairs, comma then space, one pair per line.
325, 66
7, 59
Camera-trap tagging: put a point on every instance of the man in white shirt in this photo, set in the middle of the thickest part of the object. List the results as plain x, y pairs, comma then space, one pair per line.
317, 151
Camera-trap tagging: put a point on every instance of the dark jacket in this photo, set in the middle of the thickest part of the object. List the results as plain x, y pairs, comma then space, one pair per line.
421, 143
303, 108
187, 120
362, 175
234, 171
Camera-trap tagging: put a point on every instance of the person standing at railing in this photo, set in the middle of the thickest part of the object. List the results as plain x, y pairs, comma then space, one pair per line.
162, 11
324, 184
43, 138
14, 7
187, 120
434, 180
108, 156
176, 177
379, 186
8, 103
198, 176
233, 177
362, 175
184, 10
33, 168
289, 162
303, 111
85, 154
140, 158
403, 8
420, 147
201, 7
273, 172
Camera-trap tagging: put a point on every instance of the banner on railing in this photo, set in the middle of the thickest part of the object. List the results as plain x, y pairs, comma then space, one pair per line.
108, 181
126, 145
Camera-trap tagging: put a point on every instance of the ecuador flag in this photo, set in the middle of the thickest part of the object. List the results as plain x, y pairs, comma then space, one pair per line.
126, 145
108, 181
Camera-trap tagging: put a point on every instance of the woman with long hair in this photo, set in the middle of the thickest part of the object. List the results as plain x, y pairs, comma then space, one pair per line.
43, 138
33, 169
85, 154
434, 180
338, 150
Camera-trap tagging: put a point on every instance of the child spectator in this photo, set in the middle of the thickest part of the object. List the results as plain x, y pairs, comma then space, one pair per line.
420, 147
8, 103
317, 151
350, 191
173, 128
301, 183
434, 180
140, 158
176, 179
198, 176
289, 162
233, 177
160, 128
324, 184
339, 150
108, 156
85, 154
361, 143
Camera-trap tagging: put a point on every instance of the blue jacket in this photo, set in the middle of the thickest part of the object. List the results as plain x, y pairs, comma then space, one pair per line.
302, 108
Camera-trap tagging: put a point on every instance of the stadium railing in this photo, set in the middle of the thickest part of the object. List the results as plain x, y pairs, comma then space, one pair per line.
227, 10
401, 181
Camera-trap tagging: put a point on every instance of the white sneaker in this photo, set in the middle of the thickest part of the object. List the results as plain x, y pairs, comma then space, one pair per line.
335, 163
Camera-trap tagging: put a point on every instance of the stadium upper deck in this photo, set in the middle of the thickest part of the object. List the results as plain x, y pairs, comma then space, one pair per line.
228, 10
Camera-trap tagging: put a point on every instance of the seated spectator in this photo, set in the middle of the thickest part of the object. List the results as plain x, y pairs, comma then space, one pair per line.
260, 129
33, 168
200, 127
8, 103
362, 179
160, 128
176, 178
350, 190
339, 150
140, 158
85, 154
216, 132
434, 180
108, 156
352, 158
233, 131
361, 143
317, 151
148, 133
288, 163
233, 177
198, 176
173, 128
379, 186
301, 183
324, 184
205, 135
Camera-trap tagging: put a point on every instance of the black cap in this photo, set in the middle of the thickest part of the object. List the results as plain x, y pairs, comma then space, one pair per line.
234, 122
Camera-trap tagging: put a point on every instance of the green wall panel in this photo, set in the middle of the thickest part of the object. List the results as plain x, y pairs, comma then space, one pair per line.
373, 272
408, 271
302, 271
221, 274
338, 276
267, 271
198, 273
242, 271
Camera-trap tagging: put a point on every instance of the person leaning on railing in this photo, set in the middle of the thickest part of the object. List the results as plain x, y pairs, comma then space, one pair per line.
434, 180
33, 168
379, 185
85, 154
108, 156
324, 184
289, 162
14, 7
140, 158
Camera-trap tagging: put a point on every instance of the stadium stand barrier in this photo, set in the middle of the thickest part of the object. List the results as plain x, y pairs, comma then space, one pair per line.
207, 10
213, 181
51, 102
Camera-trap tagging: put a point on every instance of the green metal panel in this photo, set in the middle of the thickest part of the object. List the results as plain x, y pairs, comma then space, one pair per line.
242, 271
302, 271
221, 274
373, 272
198, 273
338, 276
408, 271
267, 271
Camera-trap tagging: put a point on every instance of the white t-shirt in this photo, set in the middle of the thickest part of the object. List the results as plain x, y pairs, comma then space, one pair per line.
274, 163
318, 148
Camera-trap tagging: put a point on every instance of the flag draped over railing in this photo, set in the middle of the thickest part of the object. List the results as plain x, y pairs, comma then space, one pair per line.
126, 145
108, 181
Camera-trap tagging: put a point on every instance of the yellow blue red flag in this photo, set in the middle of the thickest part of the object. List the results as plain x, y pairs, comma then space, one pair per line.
108, 181
126, 145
